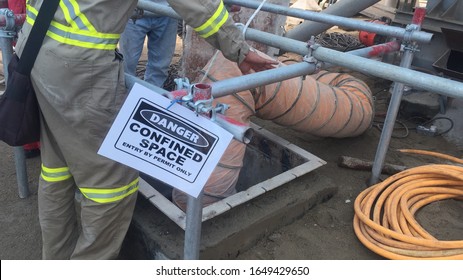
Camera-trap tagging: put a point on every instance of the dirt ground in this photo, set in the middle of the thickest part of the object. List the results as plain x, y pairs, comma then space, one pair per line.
325, 232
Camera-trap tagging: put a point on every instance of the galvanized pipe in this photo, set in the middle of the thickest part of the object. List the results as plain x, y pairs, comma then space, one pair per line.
386, 134
350, 60
21, 171
344, 8
377, 50
6, 45
131, 80
246, 82
371, 67
194, 214
390, 72
236, 84
273, 40
394, 104
157, 9
392, 31
301, 48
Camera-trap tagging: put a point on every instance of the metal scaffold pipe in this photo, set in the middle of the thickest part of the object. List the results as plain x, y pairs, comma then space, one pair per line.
392, 31
409, 50
344, 8
246, 82
301, 48
131, 80
279, 42
386, 71
157, 9
391, 72
236, 84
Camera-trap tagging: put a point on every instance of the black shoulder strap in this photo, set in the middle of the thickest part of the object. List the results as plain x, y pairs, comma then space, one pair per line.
36, 36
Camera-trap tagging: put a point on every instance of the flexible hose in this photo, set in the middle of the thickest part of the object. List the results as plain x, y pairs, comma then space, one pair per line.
384, 213
325, 104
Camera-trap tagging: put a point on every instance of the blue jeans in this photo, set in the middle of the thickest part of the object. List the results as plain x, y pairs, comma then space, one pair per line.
162, 34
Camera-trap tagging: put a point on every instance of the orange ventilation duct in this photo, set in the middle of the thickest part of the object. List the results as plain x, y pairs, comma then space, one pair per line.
324, 104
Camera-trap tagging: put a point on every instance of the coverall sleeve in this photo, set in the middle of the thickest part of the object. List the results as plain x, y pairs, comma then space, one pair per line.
210, 20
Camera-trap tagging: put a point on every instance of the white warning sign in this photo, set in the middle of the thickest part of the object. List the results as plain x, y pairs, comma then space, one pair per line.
174, 145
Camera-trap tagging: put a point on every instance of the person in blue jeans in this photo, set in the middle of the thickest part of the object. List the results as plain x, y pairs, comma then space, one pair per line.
161, 33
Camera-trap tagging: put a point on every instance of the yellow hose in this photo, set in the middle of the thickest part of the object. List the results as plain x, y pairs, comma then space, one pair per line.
384, 213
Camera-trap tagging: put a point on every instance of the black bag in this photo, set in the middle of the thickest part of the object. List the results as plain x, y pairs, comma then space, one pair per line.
19, 110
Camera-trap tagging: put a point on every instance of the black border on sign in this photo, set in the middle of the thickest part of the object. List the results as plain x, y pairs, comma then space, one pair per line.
201, 129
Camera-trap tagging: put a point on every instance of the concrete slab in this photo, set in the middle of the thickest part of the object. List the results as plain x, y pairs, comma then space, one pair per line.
153, 235
234, 224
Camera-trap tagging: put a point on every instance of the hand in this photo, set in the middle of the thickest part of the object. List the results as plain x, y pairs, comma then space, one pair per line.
256, 62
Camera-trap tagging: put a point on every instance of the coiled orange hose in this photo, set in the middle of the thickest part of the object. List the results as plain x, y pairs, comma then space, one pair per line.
384, 213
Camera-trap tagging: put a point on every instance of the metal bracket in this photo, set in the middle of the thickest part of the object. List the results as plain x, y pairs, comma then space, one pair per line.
407, 43
202, 106
199, 106
7, 34
410, 47
182, 83
409, 29
309, 58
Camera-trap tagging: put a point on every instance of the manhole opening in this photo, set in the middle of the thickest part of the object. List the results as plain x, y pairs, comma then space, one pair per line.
270, 161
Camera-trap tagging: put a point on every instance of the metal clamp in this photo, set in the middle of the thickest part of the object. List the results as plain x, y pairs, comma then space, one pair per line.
182, 83
410, 47
202, 107
309, 58
9, 30
409, 29
199, 97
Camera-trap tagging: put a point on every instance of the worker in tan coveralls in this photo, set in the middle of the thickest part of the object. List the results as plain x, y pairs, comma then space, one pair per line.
79, 81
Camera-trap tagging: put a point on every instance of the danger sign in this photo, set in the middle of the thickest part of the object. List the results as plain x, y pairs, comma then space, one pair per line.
174, 145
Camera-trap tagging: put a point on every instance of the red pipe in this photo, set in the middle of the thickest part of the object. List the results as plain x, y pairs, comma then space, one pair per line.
384, 48
418, 16
17, 6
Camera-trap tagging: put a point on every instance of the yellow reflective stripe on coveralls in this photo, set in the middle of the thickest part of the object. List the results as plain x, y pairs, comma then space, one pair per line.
55, 174
213, 24
75, 37
74, 17
110, 195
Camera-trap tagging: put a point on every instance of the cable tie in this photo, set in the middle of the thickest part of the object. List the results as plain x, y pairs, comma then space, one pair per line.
176, 100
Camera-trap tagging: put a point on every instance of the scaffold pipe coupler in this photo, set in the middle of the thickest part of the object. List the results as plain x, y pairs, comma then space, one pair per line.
200, 100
